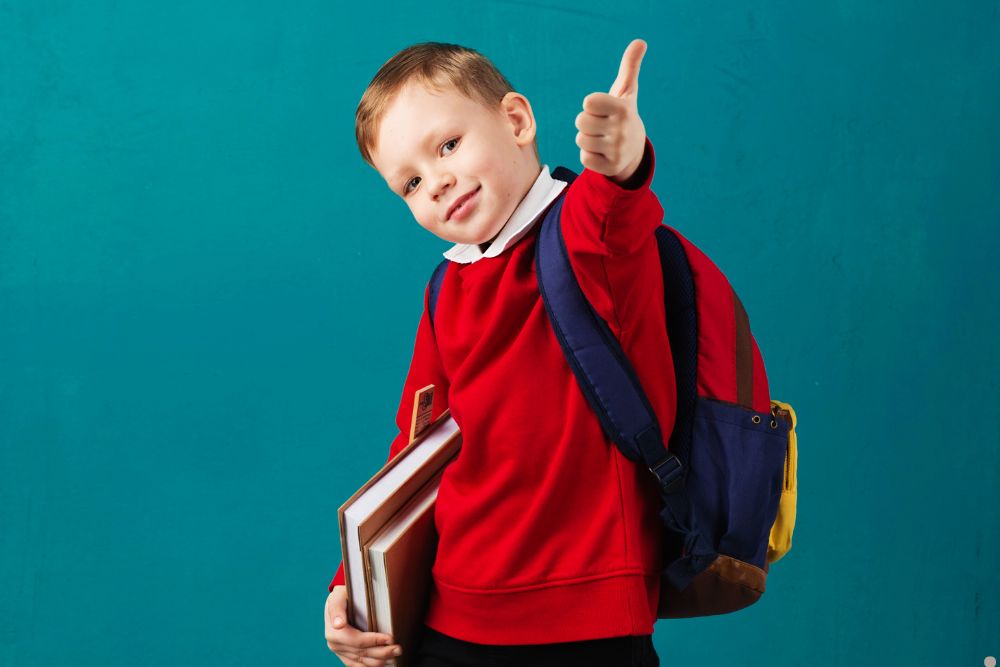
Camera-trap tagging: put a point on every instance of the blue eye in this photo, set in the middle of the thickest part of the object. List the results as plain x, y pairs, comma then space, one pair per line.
447, 148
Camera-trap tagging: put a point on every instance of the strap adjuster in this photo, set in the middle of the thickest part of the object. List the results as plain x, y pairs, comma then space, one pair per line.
669, 473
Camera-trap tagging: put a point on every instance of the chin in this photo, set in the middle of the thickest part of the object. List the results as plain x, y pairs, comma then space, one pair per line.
468, 238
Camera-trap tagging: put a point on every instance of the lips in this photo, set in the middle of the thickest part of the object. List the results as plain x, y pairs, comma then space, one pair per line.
458, 202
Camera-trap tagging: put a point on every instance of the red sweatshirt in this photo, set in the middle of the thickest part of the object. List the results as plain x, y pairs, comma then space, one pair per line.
547, 532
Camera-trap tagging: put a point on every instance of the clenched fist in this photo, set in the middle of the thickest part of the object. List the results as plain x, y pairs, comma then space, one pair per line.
612, 137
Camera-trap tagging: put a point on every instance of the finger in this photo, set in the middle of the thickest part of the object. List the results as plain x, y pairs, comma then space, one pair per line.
596, 162
335, 620
336, 606
352, 639
365, 656
362, 657
602, 104
590, 124
375, 657
350, 646
591, 144
372, 639
369, 661
627, 83
346, 653
346, 656
349, 661
380, 652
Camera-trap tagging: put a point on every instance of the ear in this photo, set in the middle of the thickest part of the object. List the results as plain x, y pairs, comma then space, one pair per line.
516, 110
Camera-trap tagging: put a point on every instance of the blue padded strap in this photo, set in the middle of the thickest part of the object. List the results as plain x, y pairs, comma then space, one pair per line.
563, 174
614, 392
682, 329
605, 375
434, 286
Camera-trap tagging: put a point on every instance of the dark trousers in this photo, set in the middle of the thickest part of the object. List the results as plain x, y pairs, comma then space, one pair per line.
439, 650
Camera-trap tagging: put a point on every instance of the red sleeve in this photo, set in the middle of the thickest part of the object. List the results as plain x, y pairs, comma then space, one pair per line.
338, 579
425, 369
609, 231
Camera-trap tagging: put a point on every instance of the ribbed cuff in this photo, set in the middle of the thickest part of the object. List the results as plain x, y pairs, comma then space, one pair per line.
641, 179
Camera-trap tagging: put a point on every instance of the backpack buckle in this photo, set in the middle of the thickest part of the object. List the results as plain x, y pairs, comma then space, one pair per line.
669, 473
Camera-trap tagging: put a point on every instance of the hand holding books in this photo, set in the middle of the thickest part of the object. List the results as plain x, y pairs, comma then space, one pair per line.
349, 643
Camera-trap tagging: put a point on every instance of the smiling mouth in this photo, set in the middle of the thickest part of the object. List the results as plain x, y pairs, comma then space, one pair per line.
458, 202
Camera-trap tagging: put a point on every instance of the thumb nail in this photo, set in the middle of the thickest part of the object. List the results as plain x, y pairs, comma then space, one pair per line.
338, 621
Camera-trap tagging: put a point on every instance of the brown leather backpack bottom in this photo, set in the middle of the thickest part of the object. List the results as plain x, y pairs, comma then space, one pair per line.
727, 585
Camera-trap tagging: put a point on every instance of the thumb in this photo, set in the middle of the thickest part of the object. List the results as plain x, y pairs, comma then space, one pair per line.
338, 606
627, 83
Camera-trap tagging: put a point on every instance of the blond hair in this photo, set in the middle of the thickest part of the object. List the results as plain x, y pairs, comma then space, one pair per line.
435, 65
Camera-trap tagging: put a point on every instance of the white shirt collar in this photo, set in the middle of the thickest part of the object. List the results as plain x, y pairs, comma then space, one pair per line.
542, 193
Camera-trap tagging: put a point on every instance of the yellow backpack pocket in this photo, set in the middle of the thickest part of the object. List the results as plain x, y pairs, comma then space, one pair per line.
780, 540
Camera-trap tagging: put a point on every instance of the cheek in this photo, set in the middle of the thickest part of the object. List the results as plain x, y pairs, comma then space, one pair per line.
503, 184
419, 214
486, 163
497, 173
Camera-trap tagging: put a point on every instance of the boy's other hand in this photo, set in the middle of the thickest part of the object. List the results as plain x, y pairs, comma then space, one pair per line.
611, 137
353, 647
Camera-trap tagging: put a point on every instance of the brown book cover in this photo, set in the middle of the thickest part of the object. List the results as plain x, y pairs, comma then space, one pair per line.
399, 561
381, 497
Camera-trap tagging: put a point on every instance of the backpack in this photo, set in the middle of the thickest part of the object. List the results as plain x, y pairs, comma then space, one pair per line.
728, 476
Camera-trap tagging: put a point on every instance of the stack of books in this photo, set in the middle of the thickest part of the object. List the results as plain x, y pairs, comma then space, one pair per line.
387, 530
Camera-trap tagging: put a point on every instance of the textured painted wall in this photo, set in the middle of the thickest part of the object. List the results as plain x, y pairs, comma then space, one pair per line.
207, 305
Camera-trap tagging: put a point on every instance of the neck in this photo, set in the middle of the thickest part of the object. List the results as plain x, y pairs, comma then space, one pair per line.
484, 246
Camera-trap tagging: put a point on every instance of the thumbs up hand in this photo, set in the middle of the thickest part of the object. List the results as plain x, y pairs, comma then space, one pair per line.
611, 135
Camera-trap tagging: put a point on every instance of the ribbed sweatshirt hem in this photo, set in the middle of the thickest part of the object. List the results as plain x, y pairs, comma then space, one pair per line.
611, 606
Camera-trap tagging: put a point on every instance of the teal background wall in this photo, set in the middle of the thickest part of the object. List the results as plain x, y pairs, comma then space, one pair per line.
208, 303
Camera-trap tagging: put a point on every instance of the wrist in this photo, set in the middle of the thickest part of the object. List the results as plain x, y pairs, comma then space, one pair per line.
636, 172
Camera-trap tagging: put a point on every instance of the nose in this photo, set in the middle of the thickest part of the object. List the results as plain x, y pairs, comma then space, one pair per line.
441, 183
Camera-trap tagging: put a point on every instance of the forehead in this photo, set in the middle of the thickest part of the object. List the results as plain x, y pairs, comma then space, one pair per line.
416, 114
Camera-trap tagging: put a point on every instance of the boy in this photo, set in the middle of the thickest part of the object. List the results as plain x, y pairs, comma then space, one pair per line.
548, 552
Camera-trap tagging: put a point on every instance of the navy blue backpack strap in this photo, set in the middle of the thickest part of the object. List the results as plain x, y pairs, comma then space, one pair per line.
682, 330
434, 287
606, 377
611, 387
563, 174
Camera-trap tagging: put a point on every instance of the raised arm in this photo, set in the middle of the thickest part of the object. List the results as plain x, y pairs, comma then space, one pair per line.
610, 215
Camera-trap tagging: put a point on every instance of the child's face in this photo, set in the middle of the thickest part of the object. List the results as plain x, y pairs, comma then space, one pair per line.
437, 150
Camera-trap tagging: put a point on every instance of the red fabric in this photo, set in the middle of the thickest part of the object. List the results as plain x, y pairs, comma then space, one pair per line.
761, 392
547, 533
338, 578
717, 344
